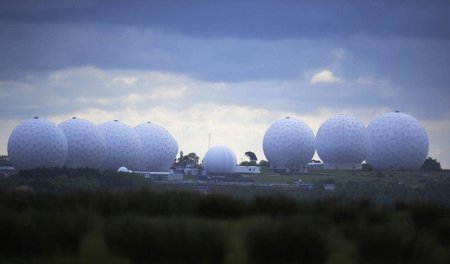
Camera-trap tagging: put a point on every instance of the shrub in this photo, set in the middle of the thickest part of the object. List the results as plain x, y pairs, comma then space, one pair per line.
165, 240
291, 241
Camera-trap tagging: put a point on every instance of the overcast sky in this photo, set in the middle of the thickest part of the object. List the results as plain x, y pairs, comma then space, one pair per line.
229, 68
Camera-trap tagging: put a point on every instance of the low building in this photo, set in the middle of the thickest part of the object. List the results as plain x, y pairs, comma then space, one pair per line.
191, 171
289, 168
315, 165
248, 169
6, 168
175, 177
341, 166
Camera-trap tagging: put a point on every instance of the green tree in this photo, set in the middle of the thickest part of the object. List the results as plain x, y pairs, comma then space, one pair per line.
431, 164
189, 159
248, 163
251, 155
264, 163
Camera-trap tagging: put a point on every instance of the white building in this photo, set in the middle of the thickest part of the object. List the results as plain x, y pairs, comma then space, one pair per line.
248, 169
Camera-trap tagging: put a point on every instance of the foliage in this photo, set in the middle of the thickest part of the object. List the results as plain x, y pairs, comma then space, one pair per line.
165, 240
190, 159
180, 227
251, 155
66, 180
264, 163
248, 163
431, 164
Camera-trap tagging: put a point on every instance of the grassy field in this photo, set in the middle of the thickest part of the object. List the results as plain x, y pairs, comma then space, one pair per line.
409, 178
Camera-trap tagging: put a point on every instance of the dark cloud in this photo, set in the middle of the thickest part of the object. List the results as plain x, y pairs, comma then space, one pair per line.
228, 40
386, 55
247, 19
407, 74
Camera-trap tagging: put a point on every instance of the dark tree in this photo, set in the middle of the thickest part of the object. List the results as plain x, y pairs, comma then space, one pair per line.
248, 163
251, 155
264, 163
189, 159
431, 164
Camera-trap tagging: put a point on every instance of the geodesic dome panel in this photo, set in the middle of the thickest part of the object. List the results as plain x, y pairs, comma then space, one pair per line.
220, 160
397, 141
289, 142
158, 147
122, 146
342, 139
37, 143
86, 146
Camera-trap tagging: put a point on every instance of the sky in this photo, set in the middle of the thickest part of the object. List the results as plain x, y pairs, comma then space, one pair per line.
225, 68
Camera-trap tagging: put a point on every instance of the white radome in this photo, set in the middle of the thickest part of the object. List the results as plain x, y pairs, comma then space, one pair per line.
397, 141
85, 143
122, 169
342, 142
158, 147
289, 142
219, 160
37, 143
122, 146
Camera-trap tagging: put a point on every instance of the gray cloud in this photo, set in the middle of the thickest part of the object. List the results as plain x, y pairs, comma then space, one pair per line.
254, 19
60, 58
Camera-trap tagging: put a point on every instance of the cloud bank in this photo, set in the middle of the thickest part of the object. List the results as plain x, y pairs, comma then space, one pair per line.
226, 68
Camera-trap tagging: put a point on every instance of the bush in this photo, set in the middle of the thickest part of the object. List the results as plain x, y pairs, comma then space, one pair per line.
431, 164
34, 233
165, 240
291, 241
174, 226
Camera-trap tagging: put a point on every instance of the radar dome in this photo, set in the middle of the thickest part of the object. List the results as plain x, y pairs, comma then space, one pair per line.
85, 143
219, 160
288, 144
342, 142
37, 143
397, 141
122, 146
159, 147
122, 169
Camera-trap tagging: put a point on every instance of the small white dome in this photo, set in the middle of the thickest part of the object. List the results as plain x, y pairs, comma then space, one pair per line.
397, 141
220, 160
86, 144
37, 143
122, 169
342, 140
289, 142
122, 146
159, 147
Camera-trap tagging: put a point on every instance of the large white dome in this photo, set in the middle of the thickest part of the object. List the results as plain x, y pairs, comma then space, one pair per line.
342, 142
220, 160
122, 146
37, 143
159, 147
289, 142
397, 141
86, 144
